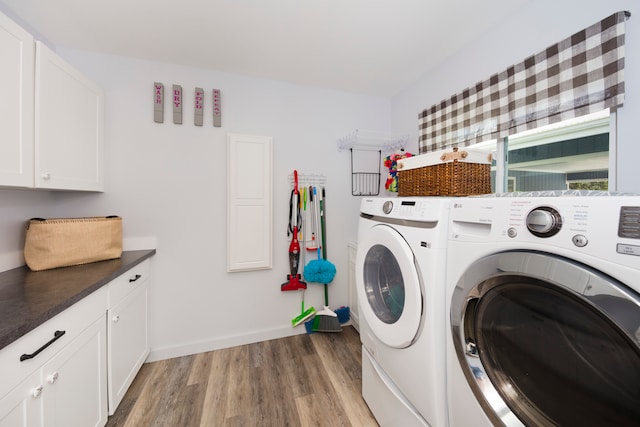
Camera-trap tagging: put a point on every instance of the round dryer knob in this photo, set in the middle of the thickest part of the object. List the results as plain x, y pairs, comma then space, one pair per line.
544, 221
387, 207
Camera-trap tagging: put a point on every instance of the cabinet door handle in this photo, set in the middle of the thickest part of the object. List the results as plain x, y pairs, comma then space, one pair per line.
56, 336
137, 276
53, 377
36, 392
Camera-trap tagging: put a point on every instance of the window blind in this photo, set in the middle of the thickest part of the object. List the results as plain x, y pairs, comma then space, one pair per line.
579, 75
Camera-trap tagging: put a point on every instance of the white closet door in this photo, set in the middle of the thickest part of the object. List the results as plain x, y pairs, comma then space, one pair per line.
249, 204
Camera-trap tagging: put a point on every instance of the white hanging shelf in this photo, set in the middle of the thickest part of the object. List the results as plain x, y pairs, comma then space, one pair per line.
372, 141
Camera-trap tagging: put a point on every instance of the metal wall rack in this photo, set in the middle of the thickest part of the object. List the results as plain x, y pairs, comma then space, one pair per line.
306, 179
367, 183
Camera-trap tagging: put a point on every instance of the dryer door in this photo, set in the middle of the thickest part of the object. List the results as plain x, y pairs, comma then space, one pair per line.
544, 340
389, 291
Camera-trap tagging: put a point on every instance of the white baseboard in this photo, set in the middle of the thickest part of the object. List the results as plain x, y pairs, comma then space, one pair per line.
355, 322
186, 349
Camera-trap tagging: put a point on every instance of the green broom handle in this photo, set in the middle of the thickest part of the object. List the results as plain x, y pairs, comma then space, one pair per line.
323, 225
324, 242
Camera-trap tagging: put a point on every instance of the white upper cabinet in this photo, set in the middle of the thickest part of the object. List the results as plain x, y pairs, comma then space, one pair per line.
51, 118
16, 108
68, 126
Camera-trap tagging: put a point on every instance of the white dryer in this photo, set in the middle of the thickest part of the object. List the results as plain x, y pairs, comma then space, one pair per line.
400, 280
543, 311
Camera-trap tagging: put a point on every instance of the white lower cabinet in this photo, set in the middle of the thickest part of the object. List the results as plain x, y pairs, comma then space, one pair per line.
23, 406
75, 381
69, 390
128, 338
63, 384
74, 369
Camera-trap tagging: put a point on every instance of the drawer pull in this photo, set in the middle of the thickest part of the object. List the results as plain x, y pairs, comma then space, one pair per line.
137, 276
56, 335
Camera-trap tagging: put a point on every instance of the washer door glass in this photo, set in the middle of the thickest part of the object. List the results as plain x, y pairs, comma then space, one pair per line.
558, 341
564, 362
389, 292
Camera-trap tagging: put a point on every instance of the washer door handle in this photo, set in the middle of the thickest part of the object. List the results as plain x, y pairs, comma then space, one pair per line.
470, 346
471, 349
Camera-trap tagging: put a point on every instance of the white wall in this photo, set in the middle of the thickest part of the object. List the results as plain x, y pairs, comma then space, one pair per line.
168, 182
16, 207
535, 27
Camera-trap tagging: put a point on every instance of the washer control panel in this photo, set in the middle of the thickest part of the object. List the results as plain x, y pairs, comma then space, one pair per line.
629, 222
605, 227
580, 240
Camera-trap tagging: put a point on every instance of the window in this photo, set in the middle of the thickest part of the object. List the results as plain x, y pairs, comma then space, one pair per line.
580, 75
570, 155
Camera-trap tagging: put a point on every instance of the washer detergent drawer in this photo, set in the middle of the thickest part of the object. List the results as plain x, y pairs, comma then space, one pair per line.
387, 403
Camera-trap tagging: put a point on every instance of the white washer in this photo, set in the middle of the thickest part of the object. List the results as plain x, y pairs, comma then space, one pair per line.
400, 280
543, 311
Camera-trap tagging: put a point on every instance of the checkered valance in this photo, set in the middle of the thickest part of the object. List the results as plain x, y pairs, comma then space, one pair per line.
580, 75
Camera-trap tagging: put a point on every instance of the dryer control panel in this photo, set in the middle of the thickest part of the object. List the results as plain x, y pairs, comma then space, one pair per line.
426, 209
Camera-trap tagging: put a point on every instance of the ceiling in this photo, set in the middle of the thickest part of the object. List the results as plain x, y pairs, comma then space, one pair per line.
374, 47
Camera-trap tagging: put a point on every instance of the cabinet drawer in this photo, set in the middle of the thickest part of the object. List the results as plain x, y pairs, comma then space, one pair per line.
72, 321
121, 286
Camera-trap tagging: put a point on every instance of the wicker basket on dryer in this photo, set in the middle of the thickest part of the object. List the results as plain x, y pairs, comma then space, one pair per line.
445, 173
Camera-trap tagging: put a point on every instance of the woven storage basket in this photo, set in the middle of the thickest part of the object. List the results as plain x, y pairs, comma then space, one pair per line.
445, 173
63, 242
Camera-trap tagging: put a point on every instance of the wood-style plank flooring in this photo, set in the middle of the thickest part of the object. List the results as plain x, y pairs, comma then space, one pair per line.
304, 380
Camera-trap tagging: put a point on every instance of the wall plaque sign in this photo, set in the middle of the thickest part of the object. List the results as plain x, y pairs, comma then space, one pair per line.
177, 104
158, 102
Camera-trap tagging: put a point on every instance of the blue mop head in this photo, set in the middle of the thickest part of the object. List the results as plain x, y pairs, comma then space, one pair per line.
308, 325
343, 314
319, 271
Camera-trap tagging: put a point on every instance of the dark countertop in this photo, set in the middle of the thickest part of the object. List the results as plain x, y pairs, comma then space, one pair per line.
30, 298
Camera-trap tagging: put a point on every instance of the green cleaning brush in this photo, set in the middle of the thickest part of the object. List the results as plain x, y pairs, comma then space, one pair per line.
304, 314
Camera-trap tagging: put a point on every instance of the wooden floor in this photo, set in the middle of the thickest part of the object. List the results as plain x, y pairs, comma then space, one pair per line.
305, 380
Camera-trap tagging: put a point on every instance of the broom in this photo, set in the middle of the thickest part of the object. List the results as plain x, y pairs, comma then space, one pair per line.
325, 320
